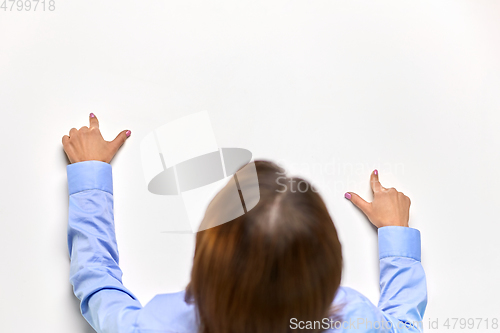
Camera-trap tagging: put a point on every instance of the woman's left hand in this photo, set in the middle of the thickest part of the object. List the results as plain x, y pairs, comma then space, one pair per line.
88, 144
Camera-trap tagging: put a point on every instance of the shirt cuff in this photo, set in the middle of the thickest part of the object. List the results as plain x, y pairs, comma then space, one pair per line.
395, 241
89, 175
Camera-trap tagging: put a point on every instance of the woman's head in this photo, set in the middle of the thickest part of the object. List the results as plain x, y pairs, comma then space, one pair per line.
280, 260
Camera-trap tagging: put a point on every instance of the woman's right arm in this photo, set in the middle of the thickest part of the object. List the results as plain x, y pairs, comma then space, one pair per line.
403, 288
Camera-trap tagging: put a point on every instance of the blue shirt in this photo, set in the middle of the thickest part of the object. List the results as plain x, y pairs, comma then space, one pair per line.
110, 307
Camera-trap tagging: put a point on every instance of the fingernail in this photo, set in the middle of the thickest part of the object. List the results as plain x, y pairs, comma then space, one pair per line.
127, 133
348, 195
92, 115
375, 172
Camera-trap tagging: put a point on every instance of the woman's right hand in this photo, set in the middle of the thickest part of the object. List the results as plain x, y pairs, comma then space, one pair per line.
388, 208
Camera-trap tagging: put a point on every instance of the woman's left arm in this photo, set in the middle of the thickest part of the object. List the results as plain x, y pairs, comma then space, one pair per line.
94, 272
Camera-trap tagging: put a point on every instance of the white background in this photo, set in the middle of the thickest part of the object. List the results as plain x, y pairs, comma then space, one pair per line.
331, 89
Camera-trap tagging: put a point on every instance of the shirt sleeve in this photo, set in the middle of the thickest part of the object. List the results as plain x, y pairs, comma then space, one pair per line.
94, 272
403, 288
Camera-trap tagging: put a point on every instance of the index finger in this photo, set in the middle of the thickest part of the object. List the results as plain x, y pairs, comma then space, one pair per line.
93, 121
374, 182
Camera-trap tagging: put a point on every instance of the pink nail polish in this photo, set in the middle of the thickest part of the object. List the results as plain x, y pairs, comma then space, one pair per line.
92, 115
127, 133
375, 172
348, 195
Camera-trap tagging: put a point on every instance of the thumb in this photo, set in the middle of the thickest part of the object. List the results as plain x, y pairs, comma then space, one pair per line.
119, 140
359, 202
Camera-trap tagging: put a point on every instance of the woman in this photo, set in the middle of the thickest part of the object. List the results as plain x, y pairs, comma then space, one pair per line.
277, 268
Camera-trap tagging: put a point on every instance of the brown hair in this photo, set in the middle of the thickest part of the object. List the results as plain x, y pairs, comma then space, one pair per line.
278, 261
